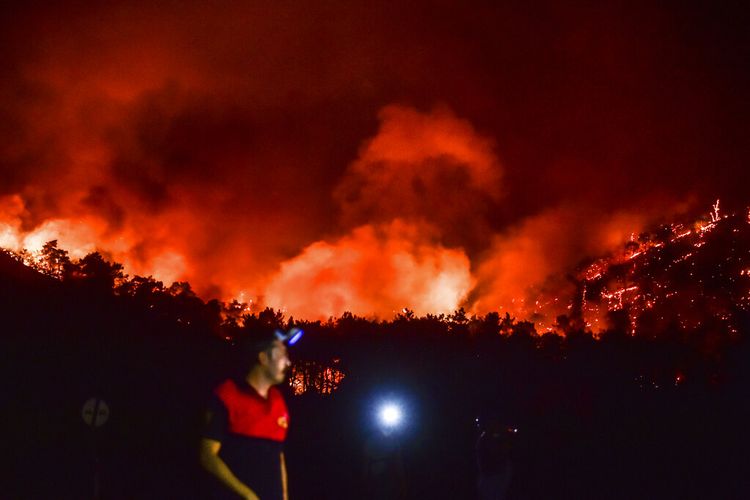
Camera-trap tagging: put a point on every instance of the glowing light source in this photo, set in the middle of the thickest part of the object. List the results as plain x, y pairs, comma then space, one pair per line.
296, 334
291, 337
390, 415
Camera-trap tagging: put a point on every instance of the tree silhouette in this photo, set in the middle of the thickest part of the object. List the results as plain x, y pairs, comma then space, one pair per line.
98, 274
54, 260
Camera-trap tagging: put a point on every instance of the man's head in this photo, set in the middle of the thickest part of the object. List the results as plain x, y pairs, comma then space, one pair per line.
265, 353
274, 362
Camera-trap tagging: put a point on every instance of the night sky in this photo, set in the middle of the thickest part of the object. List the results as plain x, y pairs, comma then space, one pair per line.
366, 156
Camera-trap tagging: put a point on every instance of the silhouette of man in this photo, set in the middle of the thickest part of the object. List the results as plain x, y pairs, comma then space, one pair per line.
384, 468
246, 424
494, 462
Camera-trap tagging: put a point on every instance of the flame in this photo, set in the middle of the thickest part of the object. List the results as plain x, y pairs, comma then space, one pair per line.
311, 375
528, 261
205, 144
374, 270
715, 212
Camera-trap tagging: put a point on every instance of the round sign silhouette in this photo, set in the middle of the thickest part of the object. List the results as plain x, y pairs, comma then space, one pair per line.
95, 412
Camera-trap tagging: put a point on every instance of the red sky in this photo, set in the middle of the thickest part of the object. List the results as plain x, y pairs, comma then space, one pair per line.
365, 156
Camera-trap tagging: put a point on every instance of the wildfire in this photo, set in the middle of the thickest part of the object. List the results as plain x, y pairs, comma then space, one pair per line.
681, 235
634, 280
617, 295
715, 212
619, 292
311, 375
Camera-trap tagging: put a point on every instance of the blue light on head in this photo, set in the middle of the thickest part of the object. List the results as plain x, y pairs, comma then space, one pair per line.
294, 335
289, 338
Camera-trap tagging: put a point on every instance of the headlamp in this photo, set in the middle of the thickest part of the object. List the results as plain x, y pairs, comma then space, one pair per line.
289, 338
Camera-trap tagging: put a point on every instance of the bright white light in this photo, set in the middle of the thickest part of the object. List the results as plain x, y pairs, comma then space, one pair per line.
390, 415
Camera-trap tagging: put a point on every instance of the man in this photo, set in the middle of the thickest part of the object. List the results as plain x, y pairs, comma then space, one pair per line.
384, 466
247, 421
494, 459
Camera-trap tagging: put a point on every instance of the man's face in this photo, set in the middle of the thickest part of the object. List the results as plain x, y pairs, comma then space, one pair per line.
277, 362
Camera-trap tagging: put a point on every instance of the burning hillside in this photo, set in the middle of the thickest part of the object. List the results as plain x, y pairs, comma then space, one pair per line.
340, 158
676, 279
680, 278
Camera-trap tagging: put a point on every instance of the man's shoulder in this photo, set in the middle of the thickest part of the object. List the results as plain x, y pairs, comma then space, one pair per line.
228, 383
276, 396
275, 391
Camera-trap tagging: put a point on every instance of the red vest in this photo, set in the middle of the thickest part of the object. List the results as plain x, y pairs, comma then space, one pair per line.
252, 416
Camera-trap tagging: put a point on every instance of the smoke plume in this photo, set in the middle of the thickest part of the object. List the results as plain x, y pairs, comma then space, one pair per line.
480, 149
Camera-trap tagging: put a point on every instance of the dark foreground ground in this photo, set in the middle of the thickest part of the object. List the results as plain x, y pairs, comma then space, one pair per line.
666, 442
619, 418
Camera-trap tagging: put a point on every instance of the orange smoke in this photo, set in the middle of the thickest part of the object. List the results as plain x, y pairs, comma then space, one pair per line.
528, 269
413, 204
375, 270
432, 167
420, 181
218, 144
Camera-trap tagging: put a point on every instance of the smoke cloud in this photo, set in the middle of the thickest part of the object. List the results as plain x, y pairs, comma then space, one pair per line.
530, 270
373, 271
454, 155
425, 166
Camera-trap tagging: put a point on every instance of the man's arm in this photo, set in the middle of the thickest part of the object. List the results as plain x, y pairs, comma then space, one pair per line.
283, 477
211, 461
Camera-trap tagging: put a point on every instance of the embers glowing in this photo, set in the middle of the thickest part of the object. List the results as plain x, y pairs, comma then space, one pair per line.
318, 377
616, 296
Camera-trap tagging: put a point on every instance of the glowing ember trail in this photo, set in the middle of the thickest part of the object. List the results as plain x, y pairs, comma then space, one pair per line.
715, 212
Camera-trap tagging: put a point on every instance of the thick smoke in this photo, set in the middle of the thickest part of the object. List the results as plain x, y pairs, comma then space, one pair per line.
422, 180
234, 145
530, 269
431, 167
375, 270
